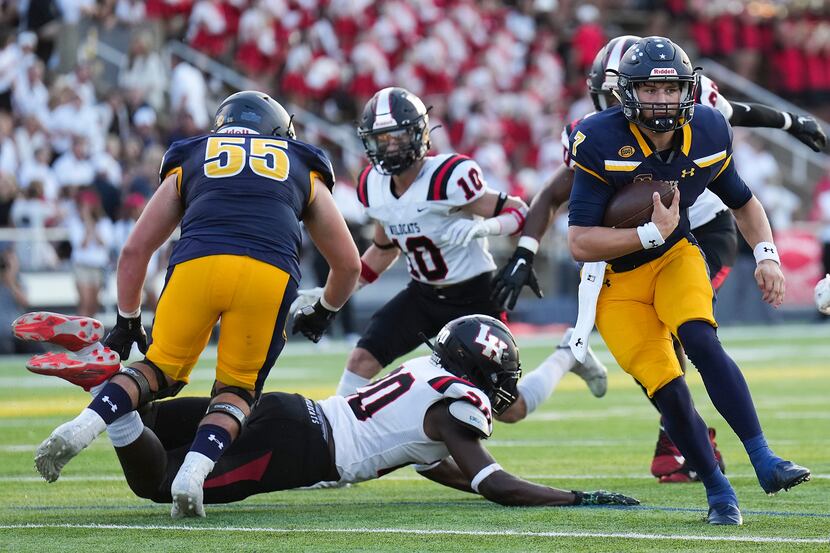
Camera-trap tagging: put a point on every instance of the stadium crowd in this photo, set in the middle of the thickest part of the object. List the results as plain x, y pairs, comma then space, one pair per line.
81, 154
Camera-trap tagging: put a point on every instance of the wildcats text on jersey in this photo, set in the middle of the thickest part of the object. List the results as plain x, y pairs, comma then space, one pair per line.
417, 220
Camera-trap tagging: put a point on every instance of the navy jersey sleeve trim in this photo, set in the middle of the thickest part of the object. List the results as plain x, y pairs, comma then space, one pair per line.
362, 186
730, 187
441, 176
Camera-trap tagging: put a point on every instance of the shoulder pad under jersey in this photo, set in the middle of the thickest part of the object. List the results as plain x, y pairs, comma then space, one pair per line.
468, 415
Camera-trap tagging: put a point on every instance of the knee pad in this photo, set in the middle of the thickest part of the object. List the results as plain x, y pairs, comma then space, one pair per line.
145, 393
230, 409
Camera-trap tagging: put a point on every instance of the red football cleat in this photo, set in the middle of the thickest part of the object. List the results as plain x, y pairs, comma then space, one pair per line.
685, 472
667, 458
68, 331
86, 371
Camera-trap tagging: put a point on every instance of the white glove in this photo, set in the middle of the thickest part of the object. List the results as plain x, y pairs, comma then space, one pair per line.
309, 296
822, 295
462, 231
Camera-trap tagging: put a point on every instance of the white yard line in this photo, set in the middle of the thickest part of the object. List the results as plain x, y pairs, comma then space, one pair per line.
402, 477
421, 532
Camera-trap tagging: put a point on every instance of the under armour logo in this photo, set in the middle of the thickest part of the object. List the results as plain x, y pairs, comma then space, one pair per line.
106, 399
767, 249
653, 243
592, 278
687, 173
492, 346
578, 342
607, 282
219, 444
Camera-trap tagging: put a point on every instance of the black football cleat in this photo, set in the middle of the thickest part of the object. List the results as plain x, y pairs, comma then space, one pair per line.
783, 476
726, 514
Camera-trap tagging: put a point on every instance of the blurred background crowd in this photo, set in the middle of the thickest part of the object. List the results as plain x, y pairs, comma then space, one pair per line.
93, 92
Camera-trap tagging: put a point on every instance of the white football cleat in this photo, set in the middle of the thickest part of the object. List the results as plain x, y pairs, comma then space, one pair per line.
592, 371
187, 491
65, 442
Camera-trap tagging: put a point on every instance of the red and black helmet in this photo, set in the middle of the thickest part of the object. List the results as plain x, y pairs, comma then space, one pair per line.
394, 129
602, 83
481, 350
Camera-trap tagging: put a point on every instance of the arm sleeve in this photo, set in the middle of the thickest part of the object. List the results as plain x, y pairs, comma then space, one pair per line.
756, 115
464, 183
590, 193
172, 160
318, 162
730, 187
589, 196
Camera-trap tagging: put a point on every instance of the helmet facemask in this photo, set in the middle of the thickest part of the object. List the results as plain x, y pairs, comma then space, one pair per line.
658, 116
394, 150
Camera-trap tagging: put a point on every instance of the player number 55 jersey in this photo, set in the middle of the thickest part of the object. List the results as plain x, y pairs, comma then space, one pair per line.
381, 427
417, 220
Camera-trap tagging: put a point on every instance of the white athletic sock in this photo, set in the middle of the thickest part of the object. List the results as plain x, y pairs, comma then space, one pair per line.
350, 382
539, 384
125, 430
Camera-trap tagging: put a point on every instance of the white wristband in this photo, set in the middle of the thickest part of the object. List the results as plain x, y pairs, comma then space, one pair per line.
131, 314
529, 243
325, 304
650, 236
765, 250
482, 474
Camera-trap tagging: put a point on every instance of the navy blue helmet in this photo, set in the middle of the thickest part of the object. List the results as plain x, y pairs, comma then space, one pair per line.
657, 59
255, 111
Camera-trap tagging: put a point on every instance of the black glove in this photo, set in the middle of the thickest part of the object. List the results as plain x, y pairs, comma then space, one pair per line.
807, 130
127, 330
517, 273
602, 497
312, 321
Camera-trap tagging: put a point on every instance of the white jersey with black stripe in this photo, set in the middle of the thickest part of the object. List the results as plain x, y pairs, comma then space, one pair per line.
417, 220
381, 427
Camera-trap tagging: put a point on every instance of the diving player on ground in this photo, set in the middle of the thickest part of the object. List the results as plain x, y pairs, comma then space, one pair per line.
433, 411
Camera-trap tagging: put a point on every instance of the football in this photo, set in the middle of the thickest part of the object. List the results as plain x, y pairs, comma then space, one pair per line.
632, 205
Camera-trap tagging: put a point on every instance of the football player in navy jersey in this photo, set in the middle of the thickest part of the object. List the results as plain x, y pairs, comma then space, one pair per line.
710, 219
239, 194
656, 283
432, 411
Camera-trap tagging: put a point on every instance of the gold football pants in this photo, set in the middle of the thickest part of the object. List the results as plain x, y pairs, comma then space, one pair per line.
248, 297
639, 310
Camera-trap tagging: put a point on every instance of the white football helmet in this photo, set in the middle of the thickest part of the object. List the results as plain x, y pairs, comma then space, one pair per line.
822, 295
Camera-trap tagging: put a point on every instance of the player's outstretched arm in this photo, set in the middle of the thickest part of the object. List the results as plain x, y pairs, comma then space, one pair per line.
487, 478
804, 127
754, 226
331, 236
518, 272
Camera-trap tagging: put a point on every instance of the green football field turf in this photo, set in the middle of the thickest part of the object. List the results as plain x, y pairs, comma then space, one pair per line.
574, 442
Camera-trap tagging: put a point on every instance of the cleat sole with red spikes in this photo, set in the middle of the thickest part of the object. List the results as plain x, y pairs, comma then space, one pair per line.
68, 331
85, 371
